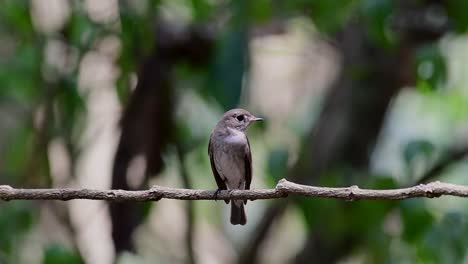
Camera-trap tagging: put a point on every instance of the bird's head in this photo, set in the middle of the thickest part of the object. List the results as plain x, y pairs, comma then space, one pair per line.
239, 119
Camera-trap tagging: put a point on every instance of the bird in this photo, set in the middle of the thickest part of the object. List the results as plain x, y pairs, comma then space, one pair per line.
231, 159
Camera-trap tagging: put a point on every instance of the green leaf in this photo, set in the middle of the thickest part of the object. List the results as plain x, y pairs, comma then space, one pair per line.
416, 219
231, 59
80, 30
71, 107
376, 14
137, 36
417, 148
185, 136
25, 61
57, 254
362, 216
16, 14
17, 151
457, 12
277, 164
261, 10
430, 66
15, 219
366, 217
445, 242
455, 237
323, 213
145, 208
123, 88
329, 16
201, 9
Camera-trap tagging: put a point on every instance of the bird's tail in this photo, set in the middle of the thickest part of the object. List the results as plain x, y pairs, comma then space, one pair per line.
238, 213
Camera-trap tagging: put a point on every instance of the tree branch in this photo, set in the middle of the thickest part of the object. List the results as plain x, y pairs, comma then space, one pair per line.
283, 189
452, 157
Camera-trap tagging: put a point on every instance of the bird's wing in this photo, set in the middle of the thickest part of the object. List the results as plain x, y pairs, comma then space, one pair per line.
221, 184
248, 166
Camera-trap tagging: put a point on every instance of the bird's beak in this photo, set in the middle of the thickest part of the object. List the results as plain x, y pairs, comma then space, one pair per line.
255, 119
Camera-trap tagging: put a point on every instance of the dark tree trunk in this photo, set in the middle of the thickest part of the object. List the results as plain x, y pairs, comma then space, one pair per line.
147, 123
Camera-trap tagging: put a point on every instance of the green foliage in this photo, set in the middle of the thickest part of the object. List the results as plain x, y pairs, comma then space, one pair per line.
137, 38
277, 164
416, 148
72, 106
446, 241
457, 12
416, 219
367, 216
57, 254
13, 71
262, 10
17, 150
15, 220
376, 14
202, 10
80, 31
363, 218
231, 59
421, 149
15, 14
145, 208
24, 86
430, 67
329, 16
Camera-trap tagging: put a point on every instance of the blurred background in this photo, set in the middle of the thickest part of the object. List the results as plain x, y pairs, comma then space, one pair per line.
124, 95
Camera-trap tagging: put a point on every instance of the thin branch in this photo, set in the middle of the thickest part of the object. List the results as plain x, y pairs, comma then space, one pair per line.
283, 189
451, 158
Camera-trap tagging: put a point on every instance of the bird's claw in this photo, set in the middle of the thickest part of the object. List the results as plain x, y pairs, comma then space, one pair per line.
216, 194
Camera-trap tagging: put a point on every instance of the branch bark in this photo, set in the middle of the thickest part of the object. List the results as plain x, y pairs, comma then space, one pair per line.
282, 190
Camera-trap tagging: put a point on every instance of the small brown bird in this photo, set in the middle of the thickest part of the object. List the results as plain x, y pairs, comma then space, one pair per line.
230, 157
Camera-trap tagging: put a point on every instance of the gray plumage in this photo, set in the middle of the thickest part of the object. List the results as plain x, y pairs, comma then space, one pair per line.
230, 157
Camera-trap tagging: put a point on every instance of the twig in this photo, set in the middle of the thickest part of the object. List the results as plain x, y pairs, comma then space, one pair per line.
451, 158
283, 189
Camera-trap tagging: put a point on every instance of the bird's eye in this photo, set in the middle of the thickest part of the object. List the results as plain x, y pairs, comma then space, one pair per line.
240, 117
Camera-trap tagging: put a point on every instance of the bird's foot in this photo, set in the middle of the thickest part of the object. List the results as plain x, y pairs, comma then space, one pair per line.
216, 194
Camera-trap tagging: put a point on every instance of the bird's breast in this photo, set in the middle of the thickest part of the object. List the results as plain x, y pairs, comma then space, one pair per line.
235, 137
229, 159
